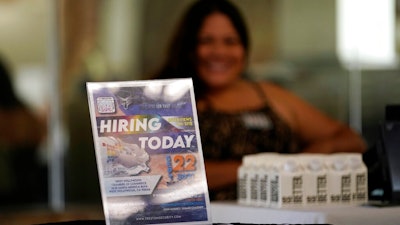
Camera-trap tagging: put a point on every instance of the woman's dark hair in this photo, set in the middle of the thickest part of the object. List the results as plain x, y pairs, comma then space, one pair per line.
181, 59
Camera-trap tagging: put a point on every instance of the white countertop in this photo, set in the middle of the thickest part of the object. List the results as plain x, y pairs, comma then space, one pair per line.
232, 212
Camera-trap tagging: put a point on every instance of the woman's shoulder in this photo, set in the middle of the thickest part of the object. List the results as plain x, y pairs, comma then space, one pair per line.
281, 100
273, 90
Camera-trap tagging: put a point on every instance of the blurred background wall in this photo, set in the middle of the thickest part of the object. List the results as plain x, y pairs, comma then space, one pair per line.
293, 43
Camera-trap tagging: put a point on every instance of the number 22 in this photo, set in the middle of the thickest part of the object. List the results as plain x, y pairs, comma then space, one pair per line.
184, 163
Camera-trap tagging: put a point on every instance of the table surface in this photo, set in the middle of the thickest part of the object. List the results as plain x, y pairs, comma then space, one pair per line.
232, 212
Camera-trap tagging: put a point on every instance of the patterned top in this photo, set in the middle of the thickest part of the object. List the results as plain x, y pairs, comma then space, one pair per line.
233, 135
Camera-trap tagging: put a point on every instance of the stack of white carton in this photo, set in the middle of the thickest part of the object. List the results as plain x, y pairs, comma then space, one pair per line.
285, 180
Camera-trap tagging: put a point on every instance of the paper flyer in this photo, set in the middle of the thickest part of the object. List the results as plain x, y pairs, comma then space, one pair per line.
148, 152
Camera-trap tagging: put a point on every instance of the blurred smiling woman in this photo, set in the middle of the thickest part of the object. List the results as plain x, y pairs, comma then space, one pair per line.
239, 116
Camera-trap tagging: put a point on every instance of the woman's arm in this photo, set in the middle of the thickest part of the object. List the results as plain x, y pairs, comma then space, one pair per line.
20, 127
318, 132
343, 140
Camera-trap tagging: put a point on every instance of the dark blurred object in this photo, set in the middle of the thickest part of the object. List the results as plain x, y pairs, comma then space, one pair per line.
392, 113
383, 160
78, 222
23, 179
8, 97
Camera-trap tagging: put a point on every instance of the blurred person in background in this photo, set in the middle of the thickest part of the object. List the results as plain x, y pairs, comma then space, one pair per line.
23, 179
239, 116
